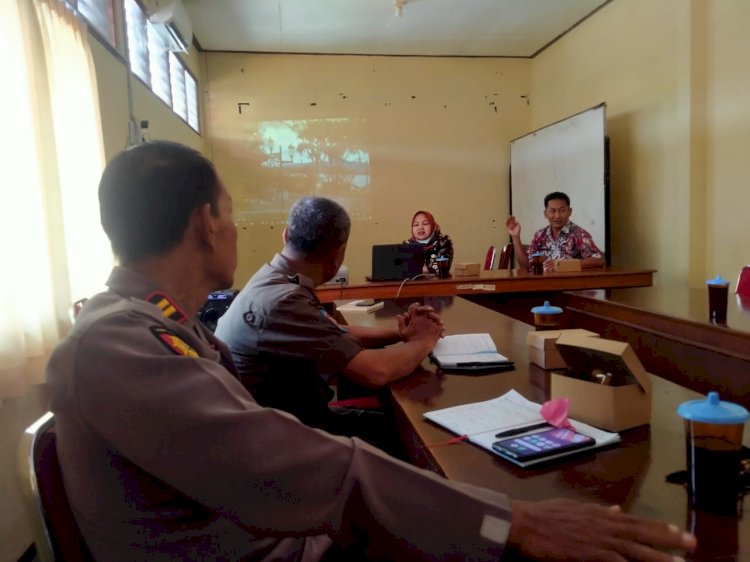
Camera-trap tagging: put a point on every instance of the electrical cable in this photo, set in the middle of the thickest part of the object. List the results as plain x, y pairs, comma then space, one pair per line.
408, 279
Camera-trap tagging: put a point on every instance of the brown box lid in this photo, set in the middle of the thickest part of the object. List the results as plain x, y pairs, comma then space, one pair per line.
545, 339
583, 354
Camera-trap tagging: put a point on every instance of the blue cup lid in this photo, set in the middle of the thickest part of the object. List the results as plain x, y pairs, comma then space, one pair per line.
713, 410
536, 254
718, 280
546, 309
441, 258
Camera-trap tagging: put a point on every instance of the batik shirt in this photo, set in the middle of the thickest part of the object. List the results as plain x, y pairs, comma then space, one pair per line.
573, 242
440, 247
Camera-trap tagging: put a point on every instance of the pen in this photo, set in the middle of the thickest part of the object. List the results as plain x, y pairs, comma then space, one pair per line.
519, 430
488, 365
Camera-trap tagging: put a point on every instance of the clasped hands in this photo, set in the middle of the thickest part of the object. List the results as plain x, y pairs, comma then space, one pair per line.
420, 321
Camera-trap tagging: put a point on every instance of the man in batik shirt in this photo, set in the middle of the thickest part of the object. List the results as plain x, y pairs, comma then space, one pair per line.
562, 239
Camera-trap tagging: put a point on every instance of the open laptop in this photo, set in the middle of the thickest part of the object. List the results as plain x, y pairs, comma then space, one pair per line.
394, 262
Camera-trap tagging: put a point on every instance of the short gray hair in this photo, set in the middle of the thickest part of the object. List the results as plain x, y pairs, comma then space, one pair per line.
317, 225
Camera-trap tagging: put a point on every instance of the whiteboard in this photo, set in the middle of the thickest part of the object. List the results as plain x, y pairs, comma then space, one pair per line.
567, 156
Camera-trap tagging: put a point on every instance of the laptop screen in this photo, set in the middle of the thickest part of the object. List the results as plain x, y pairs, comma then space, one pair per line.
394, 262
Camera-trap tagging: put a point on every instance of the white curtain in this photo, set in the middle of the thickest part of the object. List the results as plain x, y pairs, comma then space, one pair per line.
52, 249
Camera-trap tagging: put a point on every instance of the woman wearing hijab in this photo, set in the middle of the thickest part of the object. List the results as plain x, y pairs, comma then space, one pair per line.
426, 232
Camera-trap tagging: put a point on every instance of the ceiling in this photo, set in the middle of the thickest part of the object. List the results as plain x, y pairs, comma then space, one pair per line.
467, 28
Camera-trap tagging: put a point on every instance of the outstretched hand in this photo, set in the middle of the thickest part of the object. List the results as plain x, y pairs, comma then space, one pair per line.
563, 529
513, 226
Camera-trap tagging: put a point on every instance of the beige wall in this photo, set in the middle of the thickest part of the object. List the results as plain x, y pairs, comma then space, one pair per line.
671, 75
437, 132
728, 138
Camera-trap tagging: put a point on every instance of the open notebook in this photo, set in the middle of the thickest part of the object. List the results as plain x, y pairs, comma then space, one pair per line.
468, 352
481, 421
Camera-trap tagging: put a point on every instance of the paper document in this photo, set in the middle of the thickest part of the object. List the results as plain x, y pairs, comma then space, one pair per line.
467, 350
481, 421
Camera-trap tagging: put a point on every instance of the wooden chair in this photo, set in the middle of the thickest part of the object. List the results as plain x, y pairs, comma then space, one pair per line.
506, 257
489, 258
55, 531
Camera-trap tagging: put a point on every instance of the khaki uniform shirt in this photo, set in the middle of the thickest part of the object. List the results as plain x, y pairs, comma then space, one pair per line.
165, 456
284, 343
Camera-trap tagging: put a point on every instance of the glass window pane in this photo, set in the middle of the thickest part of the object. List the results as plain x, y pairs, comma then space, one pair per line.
191, 89
159, 65
179, 97
100, 14
137, 40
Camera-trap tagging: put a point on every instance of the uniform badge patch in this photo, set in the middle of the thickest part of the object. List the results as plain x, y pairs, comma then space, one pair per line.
173, 342
249, 318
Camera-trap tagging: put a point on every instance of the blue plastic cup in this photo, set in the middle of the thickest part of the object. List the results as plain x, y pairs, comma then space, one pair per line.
547, 317
718, 294
713, 441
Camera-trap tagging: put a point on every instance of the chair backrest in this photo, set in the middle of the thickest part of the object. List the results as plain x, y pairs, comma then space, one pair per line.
743, 282
506, 257
56, 533
489, 258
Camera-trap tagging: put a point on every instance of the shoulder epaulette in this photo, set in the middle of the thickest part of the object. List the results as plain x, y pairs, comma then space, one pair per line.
168, 307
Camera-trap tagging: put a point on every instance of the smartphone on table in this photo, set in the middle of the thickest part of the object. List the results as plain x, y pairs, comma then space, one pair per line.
540, 444
366, 302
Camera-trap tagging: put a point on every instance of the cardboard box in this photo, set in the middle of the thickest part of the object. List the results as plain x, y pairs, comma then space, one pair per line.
567, 265
542, 350
465, 269
622, 403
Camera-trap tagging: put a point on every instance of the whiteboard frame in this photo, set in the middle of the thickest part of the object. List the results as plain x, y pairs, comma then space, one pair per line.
572, 156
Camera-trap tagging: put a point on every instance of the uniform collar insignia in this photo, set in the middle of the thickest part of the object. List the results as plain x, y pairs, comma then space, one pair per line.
168, 307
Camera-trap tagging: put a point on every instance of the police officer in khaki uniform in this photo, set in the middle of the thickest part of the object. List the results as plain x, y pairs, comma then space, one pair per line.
287, 348
165, 456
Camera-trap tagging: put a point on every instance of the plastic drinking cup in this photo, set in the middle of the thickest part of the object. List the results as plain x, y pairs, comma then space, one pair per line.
718, 294
547, 317
713, 441
443, 268
537, 263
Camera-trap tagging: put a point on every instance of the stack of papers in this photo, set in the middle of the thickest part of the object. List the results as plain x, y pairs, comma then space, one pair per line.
481, 421
468, 352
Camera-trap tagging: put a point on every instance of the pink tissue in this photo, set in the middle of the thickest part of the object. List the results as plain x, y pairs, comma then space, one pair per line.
555, 412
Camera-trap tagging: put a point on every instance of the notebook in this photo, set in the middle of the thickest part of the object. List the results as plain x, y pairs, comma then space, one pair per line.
394, 262
469, 352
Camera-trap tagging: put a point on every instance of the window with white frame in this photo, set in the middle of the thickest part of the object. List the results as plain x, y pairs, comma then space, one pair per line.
160, 69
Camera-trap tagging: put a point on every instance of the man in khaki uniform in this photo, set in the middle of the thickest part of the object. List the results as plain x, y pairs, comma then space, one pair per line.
287, 348
165, 456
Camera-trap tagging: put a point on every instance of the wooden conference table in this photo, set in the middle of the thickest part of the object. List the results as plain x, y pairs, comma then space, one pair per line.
631, 473
489, 282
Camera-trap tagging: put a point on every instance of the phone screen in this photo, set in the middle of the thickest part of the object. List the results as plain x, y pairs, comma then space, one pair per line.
542, 444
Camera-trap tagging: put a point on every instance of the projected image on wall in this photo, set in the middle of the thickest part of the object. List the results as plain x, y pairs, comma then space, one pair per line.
291, 159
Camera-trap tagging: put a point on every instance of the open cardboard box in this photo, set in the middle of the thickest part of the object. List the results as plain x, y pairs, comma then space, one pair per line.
542, 350
623, 402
